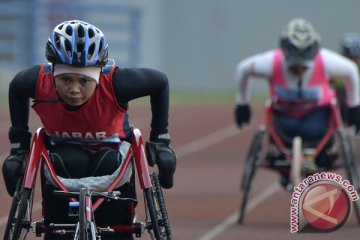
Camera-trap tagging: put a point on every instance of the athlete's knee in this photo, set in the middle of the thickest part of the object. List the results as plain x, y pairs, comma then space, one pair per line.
104, 162
70, 161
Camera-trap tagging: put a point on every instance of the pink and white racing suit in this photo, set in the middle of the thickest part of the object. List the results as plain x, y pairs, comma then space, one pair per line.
303, 99
298, 98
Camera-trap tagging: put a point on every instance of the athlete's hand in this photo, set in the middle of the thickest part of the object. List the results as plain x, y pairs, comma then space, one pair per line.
354, 118
242, 115
13, 165
161, 154
13, 169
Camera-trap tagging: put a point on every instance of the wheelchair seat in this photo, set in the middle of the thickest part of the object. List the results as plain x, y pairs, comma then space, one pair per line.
287, 138
98, 183
325, 158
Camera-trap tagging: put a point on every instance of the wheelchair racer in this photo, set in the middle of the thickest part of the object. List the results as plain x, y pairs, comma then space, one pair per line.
77, 95
349, 48
298, 74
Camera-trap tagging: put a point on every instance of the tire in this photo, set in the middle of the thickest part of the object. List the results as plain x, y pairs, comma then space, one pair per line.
19, 221
357, 210
296, 161
13, 209
159, 227
252, 162
348, 160
153, 228
86, 228
82, 215
160, 201
350, 165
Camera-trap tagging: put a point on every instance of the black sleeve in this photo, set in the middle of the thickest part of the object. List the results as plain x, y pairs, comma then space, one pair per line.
132, 83
21, 89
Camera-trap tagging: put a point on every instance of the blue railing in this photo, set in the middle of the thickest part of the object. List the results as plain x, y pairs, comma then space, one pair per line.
25, 27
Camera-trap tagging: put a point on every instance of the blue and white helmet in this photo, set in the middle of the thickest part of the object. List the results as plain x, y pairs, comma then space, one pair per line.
78, 44
299, 41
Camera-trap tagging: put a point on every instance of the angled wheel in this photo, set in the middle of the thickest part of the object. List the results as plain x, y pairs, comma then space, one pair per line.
349, 160
350, 165
161, 206
357, 210
159, 226
19, 221
252, 162
13, 209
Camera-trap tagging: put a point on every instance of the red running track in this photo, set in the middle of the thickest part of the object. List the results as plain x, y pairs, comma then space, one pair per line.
204, 202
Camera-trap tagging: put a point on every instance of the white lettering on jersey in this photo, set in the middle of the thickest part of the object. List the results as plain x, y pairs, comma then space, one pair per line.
100, 135
76, 134
91, 135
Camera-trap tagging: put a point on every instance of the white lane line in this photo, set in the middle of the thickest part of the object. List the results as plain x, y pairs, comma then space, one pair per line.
232, 219
209, 140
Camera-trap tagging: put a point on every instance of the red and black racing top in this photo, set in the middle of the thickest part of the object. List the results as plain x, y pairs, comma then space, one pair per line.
104, 114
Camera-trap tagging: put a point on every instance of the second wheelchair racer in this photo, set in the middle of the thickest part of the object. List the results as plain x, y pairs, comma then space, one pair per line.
298, 75
349, 48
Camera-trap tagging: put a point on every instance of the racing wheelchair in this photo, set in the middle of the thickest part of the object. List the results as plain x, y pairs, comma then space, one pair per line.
295, 158
85, 198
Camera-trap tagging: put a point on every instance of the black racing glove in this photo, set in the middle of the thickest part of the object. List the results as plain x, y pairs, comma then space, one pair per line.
14, 164
242, 115
159, 152
354, 117
13, 168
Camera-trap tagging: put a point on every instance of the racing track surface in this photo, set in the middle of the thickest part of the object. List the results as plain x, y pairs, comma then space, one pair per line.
204, 202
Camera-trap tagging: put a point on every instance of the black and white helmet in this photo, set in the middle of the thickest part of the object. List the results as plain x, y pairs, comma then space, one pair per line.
299, 41
350, 45
77, 43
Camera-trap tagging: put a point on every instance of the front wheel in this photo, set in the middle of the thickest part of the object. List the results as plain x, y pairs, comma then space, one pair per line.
296, 161
86, 227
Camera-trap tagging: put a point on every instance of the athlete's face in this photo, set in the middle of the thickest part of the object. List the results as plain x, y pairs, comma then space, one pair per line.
74, 89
